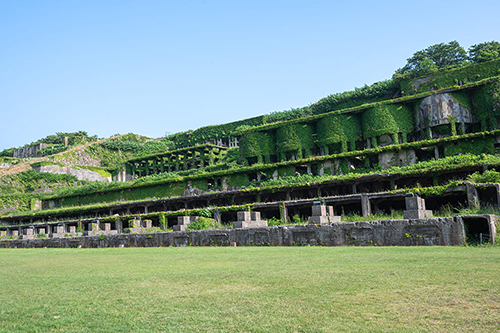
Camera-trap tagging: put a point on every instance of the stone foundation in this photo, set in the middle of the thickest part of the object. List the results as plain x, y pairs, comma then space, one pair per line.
433, 231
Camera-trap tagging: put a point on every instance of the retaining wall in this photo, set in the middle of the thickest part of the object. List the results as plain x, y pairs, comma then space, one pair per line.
431, 231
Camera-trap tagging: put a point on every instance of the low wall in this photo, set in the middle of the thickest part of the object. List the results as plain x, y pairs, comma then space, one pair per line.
431, 231
81, 174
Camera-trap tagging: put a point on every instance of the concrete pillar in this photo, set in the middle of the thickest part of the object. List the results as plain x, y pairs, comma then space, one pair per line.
497, 190
283, 212
217, 216
119, 226
243, 216
436, 153
146, 209
472, 196
365, 205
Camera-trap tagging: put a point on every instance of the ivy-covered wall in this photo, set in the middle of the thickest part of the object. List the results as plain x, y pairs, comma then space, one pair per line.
388, 119
487, 100
258, 144
450, 78
337, 128
223, 131
294, 138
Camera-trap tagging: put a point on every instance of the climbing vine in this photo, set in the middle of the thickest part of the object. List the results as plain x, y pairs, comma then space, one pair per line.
387, 119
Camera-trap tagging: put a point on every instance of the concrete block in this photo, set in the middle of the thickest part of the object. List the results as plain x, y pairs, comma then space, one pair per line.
243, 216
183, 220
319, 210
415, 203
249, 224
255, 216
416, 214
180, 227
329, 210
323, 219
135, 223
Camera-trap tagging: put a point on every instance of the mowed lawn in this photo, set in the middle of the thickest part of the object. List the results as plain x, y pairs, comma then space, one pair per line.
251, 289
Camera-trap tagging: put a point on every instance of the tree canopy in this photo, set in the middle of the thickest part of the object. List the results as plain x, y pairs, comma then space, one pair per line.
435, 57
484, 52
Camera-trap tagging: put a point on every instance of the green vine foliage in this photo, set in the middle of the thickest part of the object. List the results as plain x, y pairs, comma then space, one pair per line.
368, 94
257, 144
487, 99
387, 119
448, 78
463, 99
294, 138
337, 128
199, 136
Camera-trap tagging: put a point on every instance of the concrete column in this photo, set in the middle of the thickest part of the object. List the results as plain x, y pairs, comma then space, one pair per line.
365, 205
436, 153
497, 188
472, 196
283, 212
119, 226
217, 216
146, 209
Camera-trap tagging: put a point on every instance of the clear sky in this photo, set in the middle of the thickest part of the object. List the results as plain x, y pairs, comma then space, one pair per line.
153, 67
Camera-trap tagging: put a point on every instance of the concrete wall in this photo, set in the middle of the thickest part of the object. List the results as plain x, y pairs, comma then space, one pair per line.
30, 151
432, 231
81, 174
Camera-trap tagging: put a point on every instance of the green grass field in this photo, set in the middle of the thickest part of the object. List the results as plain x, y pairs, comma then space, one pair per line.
251, 289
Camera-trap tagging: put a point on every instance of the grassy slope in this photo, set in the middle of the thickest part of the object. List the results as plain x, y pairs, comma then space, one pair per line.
413, 289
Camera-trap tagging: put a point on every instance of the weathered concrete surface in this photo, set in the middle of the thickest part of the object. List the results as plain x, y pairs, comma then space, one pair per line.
31, 151
249, 220
440, 109
397, 158
81, 174
434, 231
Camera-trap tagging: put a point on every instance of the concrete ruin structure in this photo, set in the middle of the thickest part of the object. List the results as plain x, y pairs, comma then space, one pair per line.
352, 160
30, 151
431, 231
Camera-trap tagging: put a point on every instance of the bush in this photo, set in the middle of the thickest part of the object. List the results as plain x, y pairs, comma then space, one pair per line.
201, 223
273, 222
489, 176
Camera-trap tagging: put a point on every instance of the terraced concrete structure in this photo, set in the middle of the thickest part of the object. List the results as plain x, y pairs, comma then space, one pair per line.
361, 159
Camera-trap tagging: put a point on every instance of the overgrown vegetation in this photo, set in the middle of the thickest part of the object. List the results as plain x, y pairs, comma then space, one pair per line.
334, 131
32, 182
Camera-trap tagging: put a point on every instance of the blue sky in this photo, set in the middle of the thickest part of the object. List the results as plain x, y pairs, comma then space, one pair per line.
154, 67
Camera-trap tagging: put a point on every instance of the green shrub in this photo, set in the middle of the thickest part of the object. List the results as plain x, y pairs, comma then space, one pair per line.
202, 223
489, 176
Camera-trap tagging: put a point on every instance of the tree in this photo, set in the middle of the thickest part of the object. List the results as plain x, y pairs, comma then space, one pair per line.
484, 52
435, 57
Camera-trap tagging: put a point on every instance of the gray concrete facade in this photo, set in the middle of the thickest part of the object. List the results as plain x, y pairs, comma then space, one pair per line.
430, 231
